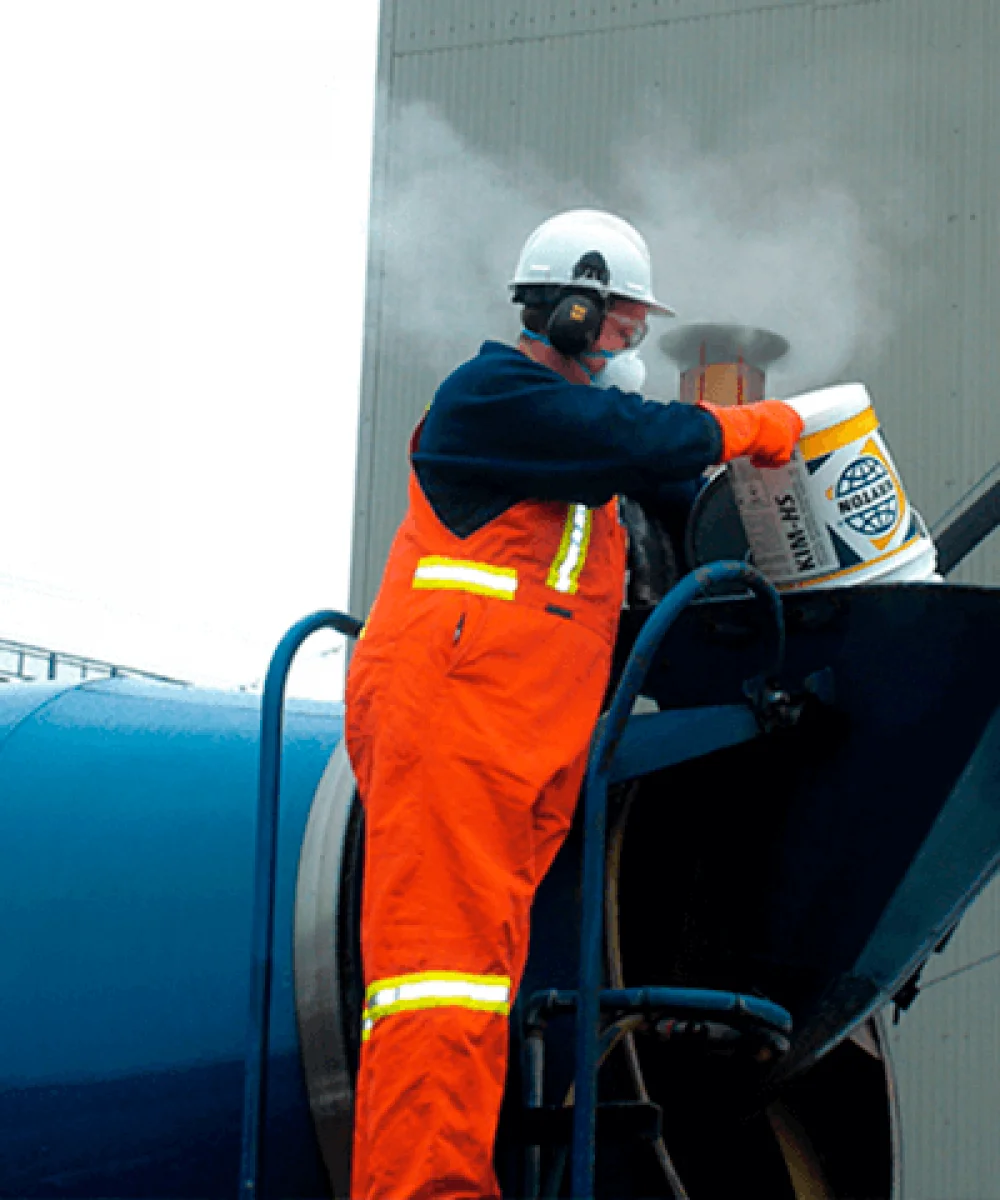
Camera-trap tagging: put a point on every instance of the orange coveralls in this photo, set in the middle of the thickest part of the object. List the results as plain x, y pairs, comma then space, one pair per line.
471, 701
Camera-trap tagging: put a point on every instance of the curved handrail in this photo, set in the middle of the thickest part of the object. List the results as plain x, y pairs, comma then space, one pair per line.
265, 867
595, 829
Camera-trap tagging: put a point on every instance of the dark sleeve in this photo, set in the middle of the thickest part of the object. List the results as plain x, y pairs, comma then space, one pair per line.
509, 423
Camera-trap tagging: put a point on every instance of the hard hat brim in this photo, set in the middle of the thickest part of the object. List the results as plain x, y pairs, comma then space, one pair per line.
655, 307
660, 310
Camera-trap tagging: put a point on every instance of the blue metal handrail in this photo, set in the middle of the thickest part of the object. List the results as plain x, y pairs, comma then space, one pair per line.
690, 588
737, 1011
265, 868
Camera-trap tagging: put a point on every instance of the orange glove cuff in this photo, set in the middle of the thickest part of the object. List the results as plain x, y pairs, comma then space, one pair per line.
767, 431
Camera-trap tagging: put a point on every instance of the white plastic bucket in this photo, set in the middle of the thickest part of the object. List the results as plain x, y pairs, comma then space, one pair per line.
837, 515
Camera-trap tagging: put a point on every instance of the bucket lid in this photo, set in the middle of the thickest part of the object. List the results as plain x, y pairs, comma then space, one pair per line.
829, 406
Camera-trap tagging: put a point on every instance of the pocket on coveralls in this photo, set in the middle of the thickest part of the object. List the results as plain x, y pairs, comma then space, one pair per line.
467, 627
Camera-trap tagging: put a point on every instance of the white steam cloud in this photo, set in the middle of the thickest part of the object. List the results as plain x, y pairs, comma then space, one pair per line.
450, 231
772, 233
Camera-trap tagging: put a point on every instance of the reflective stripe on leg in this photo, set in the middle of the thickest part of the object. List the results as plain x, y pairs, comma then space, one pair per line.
434, 989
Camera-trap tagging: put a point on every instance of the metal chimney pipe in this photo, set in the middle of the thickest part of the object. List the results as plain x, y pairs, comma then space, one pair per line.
723, 364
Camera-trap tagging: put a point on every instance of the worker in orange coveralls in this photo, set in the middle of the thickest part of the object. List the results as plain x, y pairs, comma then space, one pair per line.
473, 695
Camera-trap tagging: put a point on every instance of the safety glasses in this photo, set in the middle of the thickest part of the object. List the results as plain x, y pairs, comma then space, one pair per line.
632, 329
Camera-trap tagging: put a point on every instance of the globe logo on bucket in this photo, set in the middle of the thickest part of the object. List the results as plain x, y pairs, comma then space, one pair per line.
866, 497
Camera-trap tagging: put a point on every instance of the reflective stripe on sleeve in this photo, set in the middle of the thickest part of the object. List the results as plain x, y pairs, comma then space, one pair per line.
434, 989
459, 575
564, 574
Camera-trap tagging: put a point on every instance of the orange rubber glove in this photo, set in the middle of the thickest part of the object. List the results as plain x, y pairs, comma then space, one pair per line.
767, 431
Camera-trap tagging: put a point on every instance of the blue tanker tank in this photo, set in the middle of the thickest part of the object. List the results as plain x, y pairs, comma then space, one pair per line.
127, 818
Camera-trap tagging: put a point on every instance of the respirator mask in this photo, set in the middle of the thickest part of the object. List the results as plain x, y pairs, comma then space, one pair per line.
625, 370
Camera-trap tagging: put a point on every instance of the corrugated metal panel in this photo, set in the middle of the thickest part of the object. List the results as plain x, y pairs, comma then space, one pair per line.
376, 513
934, 377
444, 24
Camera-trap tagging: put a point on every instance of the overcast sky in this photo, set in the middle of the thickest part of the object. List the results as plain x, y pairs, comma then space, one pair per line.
183, 210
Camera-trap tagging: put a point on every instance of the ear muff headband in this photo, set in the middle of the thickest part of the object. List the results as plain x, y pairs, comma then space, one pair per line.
579, 309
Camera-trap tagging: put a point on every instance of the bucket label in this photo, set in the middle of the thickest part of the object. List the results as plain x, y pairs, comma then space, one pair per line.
869, 500
827, 516
786, 540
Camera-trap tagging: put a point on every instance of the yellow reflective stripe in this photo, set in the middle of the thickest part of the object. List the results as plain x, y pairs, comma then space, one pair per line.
574, 576
434, 989
397, 981
462, 575
456, 585
564, 574
567, 536
495, 991
376, 1012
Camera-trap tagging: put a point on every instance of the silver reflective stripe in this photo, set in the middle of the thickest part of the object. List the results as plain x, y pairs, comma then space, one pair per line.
434, 989
565, 572
458, 575
441, 989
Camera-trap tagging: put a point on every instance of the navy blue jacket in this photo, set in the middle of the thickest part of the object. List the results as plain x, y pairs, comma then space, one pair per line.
503, 428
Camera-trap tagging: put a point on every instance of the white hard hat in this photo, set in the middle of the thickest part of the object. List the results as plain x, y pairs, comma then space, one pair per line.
553, 256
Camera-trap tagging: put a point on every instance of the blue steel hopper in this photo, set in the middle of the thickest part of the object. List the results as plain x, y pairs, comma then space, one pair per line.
814, 861
823, 863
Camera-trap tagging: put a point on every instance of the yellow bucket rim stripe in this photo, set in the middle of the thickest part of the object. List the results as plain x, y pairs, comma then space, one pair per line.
394, 981
870, 562
815, 445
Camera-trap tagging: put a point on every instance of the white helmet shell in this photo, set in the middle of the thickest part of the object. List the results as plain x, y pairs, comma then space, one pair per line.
551, 253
